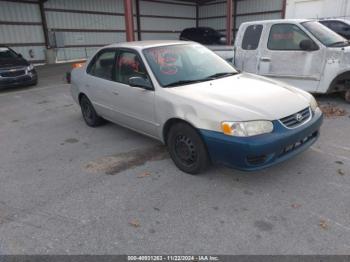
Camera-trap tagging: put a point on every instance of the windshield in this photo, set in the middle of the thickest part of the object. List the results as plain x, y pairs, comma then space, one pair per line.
325, 35
185, 64
7, 53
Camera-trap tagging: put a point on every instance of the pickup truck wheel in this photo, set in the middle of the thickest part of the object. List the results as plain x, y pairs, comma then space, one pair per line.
187, 149
90, 116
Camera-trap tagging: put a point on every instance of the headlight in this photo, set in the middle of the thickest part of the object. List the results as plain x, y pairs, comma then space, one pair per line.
244, 129
30, 67
313, 104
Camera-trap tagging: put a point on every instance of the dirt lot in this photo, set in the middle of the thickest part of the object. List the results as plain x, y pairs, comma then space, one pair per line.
66, 188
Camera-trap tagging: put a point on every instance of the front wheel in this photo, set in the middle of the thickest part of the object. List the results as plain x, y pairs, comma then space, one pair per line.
90, 116
187, 149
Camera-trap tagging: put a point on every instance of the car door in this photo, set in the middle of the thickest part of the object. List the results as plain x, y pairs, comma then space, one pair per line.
247, 52
283, 57
135, 105
99, 83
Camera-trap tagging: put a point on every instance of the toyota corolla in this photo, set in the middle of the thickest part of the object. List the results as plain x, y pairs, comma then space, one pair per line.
197, 104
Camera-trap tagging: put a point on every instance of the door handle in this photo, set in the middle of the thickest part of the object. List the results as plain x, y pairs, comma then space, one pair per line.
115, 93
87, 85
265, 59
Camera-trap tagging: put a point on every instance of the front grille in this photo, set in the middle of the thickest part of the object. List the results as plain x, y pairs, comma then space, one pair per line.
297, 119
14, 73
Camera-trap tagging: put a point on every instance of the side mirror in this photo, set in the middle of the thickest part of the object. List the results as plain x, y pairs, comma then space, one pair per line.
307, 45
20, 55
138, 81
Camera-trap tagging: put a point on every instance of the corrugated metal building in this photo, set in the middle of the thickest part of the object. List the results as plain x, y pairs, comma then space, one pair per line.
318, 9
213, 14
74, 29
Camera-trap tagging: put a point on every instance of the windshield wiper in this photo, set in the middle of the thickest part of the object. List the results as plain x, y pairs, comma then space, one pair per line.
182, 82
212, 77
338, 43
219, 75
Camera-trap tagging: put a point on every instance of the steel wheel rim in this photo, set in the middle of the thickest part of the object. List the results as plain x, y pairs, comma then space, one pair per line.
185, 150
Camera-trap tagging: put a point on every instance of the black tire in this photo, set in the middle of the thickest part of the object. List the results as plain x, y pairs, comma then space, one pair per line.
187, 149
90, 116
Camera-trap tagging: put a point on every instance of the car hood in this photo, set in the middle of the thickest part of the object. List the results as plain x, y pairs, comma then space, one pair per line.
12, 62
246, 97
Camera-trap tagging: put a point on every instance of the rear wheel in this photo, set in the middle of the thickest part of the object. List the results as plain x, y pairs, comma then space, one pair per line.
187, 149
89, 114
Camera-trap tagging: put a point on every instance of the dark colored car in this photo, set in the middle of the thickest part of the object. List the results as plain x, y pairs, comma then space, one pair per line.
341, 27
15, 70
203, 35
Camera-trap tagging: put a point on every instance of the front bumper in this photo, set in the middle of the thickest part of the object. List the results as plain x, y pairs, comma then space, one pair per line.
28, 79
262, 151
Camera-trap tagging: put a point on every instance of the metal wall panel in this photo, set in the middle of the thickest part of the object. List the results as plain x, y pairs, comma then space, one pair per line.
150, 8
158, 36
255, 10
252, 6
246, 10
248, 18
87, 5
79, 26
90, 38
169, 22
66, 54
20, 34
207, 11
37, 51
216, 23
212, 10
24, 37
83, 21
165, 24
19, 12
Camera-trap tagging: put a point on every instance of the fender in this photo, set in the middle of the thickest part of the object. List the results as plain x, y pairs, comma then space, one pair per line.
339, 82
332, 73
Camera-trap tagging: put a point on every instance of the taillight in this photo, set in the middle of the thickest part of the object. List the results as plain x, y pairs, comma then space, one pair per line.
78, 65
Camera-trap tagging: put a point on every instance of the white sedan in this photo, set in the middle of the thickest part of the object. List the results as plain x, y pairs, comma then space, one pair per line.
196, 103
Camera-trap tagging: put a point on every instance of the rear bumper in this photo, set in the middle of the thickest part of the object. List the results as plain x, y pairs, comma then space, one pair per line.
259, 152
28, 79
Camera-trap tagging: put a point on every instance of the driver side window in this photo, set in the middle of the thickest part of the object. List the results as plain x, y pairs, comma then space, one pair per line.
129, 65
286, 37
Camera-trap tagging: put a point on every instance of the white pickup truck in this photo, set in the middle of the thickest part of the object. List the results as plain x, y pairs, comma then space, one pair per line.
303, 53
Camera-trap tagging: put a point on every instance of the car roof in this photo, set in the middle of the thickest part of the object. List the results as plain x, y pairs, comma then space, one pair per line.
277, 21
149, 43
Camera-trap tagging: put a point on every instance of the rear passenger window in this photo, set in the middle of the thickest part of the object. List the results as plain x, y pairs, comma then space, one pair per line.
102, 65
286, 37
251, 37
